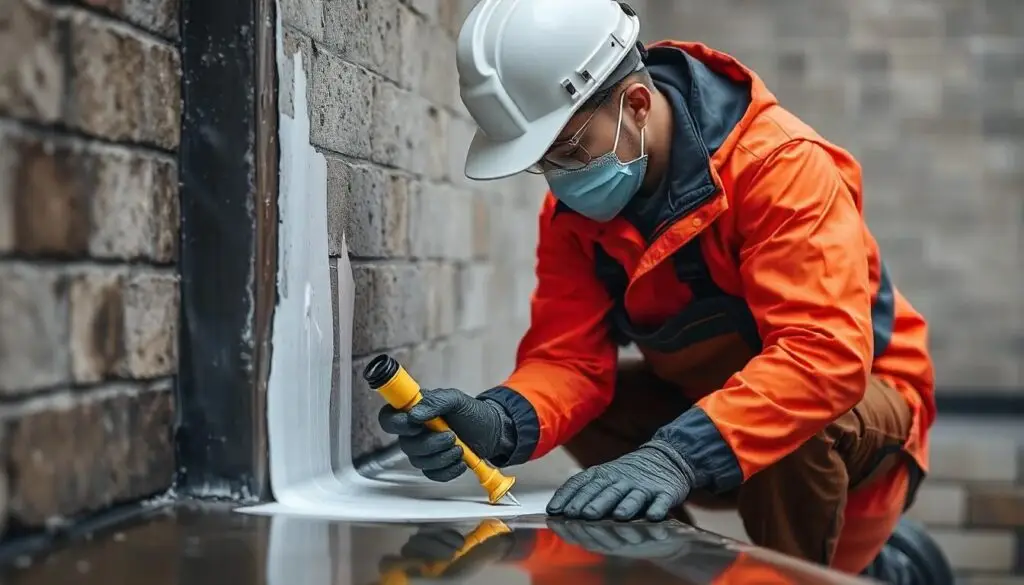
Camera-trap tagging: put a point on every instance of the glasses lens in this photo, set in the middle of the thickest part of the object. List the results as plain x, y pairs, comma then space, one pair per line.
570, 159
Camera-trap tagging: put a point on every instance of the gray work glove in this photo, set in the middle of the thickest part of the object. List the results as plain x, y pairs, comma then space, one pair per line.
649, 482
482, 424
639, 541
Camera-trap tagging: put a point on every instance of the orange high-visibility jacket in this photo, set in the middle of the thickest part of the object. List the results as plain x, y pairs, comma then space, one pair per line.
778, 211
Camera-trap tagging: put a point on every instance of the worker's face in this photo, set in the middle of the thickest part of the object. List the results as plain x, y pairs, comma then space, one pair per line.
591, 133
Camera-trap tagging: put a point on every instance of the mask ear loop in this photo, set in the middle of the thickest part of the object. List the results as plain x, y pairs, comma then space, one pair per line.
618, 126
618, 132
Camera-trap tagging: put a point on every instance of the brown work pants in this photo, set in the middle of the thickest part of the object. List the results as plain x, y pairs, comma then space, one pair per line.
800, 505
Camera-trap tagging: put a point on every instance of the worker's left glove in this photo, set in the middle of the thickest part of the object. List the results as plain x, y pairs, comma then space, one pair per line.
647, 482
482, 424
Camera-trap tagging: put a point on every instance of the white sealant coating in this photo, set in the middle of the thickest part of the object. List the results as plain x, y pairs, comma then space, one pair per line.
299, 404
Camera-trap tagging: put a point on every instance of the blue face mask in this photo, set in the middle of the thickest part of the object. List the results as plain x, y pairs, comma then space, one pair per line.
601, 189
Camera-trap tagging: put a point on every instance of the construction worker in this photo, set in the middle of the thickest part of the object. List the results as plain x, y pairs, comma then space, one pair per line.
692, 216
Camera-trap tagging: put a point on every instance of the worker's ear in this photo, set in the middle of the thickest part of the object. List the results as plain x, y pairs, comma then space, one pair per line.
638, 103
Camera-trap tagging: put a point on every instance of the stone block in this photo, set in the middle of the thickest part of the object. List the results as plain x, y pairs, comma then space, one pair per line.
97, 326
304, 15
481, 227
428, 60
45, 197
370, 207
430, 10
33, 338
955, 457
156, 16
997, 507
427, 364
365, 32
465, 358
151, 314
341, 99
135, 207
408, 131
390, 306
69, 455
473, 297
32, 71
940, 504
123, 87
460, 135
978, 550
65, 198
440, 292
1001, 18
440, 222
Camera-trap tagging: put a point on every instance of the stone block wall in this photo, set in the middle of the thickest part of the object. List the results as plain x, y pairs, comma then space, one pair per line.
443, 266
929, 95
89, 129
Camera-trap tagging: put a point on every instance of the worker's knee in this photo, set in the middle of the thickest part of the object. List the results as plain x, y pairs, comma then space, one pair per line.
815, 461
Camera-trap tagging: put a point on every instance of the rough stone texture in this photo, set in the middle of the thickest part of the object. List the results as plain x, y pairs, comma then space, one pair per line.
69, 198
97, 323
928, 95
426, 243
997, 507
124, 86
157, 16
33, 339
32, 70
89, 126
151, 325
47, 193
71, 454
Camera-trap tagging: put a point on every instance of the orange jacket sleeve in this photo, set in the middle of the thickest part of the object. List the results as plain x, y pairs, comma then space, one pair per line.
804, 269
565, 365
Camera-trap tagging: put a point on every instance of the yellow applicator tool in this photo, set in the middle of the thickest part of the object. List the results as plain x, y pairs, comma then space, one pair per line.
394, 384
399, 575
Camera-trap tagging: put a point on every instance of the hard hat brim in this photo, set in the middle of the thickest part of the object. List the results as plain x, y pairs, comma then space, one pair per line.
488, 159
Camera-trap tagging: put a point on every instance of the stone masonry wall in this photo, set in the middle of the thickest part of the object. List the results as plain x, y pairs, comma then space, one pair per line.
89, 128
929, 95
443, 266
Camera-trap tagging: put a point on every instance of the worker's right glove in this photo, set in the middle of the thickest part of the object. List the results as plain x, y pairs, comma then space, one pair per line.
482, 424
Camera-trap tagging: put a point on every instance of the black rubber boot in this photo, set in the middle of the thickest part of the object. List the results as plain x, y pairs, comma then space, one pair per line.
911, 557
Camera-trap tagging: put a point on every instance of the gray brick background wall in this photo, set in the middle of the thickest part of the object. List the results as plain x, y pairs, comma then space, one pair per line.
929, 95
89, 128
443, 267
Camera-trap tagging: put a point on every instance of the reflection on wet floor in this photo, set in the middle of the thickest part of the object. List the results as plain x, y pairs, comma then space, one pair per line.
192, 545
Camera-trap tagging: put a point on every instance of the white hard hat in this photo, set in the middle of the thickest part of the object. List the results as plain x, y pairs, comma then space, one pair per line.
526, 66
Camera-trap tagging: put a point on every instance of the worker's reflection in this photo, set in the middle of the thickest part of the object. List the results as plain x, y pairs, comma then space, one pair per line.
447, 554
580, 553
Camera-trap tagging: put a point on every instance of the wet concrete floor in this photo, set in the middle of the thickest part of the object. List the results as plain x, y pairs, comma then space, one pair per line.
203, 544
